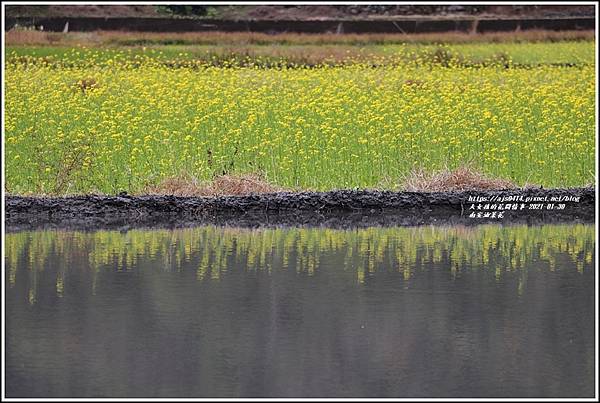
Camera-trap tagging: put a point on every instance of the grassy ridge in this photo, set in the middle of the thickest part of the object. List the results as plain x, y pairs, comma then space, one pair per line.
16, 37
529, 54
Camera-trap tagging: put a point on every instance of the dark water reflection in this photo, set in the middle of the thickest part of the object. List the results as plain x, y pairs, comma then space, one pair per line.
209, 311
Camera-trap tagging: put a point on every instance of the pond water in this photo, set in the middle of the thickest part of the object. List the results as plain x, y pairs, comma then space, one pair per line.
300, 312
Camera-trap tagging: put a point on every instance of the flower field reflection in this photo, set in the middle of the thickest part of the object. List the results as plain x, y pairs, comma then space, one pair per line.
210, 253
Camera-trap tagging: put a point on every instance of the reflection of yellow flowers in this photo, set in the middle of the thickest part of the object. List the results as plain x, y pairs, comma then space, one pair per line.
211, 251
321, 128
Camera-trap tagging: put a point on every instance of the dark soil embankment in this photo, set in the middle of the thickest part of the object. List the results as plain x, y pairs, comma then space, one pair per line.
343, 208
410, 26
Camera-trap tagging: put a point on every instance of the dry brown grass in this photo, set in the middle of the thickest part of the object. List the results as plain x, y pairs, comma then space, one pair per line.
102, 38
257, 38
464, 177
26, 37
86, 84
224, 185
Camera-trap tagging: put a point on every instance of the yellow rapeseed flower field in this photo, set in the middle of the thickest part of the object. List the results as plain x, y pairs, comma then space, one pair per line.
125, 125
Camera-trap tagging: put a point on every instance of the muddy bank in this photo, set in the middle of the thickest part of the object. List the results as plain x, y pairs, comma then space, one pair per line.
345, 208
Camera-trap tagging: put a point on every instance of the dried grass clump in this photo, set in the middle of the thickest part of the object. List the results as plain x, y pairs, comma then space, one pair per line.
463, 178
224, 185
86, 84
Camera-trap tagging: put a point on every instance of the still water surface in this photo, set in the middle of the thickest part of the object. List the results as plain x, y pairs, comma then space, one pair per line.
299, 312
